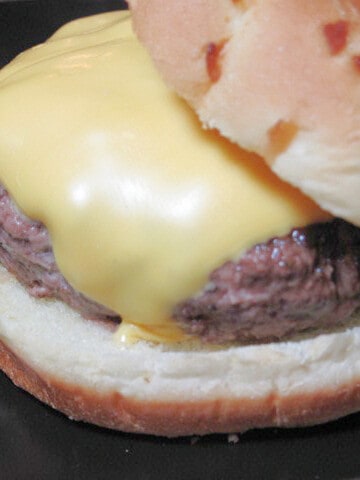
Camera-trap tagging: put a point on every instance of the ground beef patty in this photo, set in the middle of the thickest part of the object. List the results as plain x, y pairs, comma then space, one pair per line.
25, 250
307, 279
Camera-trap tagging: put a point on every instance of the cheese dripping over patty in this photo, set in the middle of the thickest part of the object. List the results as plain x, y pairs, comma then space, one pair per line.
141, 203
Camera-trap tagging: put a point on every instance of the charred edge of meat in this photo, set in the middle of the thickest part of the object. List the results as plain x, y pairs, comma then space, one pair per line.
306, 280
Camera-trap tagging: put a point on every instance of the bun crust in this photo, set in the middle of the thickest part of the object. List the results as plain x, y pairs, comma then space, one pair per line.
74, 366
281, 78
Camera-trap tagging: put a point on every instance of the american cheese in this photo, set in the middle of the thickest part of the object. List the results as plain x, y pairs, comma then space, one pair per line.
141, 202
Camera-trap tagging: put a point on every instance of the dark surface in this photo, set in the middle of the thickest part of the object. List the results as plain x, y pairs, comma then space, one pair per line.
38, 443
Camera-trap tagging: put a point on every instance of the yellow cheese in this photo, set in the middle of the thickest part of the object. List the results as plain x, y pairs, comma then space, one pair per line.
141, 202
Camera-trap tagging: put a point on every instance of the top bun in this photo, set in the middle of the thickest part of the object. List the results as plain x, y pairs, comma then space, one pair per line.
278, 77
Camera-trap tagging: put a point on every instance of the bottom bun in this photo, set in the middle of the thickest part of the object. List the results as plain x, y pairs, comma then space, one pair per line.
75, 366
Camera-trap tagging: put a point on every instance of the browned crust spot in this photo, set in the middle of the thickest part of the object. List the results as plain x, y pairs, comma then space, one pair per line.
336, 35
356, 62
281, 136
213, 60
222, 415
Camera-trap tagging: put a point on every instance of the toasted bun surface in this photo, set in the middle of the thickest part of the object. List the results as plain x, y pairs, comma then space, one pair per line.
74, 365
281, 78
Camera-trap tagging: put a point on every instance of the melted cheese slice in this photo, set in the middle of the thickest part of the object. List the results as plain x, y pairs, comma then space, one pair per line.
141, 202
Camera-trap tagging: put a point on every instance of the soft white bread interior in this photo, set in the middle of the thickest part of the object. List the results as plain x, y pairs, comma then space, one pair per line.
75, 366
279, 77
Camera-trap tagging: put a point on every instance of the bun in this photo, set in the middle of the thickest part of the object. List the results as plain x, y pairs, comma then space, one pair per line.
73, 365
281, 78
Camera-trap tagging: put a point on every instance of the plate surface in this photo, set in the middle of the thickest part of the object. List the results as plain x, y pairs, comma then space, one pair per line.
38, 443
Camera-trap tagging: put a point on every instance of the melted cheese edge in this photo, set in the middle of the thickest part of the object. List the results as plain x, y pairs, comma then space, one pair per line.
141, 203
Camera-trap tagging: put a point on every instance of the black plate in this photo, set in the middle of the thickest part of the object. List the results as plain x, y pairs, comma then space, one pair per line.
38, 443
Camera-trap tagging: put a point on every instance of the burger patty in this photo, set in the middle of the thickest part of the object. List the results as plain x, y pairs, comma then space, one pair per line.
307, 279
26, 251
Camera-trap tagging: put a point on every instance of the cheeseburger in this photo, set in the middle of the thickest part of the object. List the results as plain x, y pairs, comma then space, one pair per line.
156, 277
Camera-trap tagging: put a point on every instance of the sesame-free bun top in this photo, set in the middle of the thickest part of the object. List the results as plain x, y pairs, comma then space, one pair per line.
278, 77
